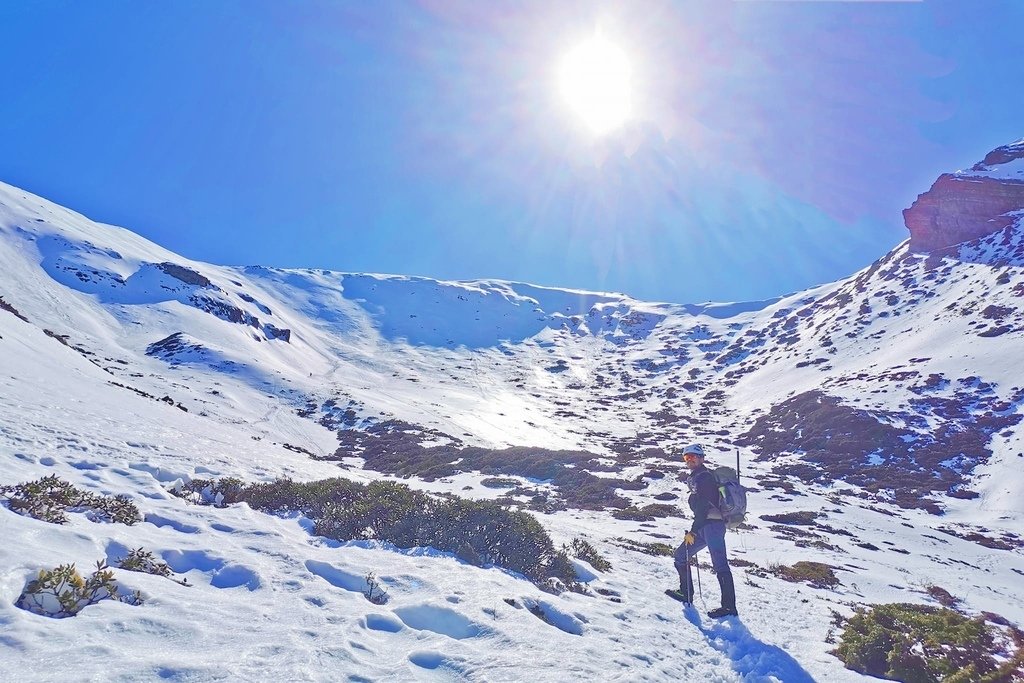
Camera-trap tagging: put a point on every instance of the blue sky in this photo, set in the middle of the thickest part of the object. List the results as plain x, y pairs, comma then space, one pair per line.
773, 148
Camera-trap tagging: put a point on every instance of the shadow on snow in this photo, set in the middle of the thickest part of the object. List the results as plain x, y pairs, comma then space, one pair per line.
752, 659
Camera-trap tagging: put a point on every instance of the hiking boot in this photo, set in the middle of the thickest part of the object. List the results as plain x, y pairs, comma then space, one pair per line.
680, 596
722, 612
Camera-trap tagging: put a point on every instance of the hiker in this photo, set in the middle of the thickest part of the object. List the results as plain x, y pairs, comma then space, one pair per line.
707, 530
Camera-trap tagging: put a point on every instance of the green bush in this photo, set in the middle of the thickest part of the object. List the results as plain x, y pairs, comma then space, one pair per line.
815, 574
63, 592
656, 549
585, 551
925, 644
499, 482
647, 513
479, 532
50, 498
143, 561
799, 518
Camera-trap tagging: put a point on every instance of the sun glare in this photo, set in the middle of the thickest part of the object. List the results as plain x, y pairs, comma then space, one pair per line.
595, 82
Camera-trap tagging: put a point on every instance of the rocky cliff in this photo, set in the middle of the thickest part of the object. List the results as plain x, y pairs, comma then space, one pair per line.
966, 205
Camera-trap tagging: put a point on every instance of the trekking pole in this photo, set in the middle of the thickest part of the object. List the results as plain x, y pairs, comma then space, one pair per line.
743, 540
699, 587
687, 587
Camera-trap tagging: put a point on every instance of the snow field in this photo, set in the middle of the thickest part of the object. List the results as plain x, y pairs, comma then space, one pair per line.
567, 370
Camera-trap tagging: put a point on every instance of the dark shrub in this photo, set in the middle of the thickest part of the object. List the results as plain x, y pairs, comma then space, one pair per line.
143, 561
656, 549
479, 532
585, 551
393, 447
50, 498
647, 513
499, 482
920, 643
942, 596
815, 574
801, 518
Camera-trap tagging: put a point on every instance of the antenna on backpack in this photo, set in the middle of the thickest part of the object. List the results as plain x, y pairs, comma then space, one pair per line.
737, 465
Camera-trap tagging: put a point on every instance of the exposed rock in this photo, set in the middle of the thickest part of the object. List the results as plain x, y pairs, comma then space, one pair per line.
960, 208
4, 306
224, 311
1001, 155
186, 275
273, 332
171, 345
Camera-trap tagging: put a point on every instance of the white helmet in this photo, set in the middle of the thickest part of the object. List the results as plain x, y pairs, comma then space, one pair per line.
694, 449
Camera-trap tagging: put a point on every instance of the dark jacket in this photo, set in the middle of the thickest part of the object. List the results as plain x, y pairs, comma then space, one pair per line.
703, 497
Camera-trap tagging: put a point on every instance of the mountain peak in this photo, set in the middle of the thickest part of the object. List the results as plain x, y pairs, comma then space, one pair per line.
1001, 156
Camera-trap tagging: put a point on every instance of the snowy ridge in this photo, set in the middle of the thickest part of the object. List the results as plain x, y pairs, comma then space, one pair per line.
1003, 163
128, 368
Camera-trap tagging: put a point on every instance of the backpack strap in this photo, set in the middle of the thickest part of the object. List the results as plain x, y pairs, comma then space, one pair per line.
692, 484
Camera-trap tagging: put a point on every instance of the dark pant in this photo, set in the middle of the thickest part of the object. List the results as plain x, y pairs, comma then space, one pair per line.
711, 536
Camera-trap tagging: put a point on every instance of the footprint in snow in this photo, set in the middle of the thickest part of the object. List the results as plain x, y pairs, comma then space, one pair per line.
236, 576
182, 561
429, 659
159, 473
751, 658
161, 521
381, 622
549, 614
222, 574
439, 619
337, 577
85, 465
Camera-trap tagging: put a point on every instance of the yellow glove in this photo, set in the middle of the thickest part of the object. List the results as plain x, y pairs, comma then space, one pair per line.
689, 538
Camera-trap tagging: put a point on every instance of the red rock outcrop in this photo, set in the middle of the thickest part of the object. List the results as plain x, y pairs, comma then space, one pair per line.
966, 205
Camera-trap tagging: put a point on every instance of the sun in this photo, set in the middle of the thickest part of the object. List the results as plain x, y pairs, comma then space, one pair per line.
595, 82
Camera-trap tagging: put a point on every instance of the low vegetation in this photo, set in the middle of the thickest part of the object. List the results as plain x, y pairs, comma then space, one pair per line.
143, 561
499, 482
942, 596
798, 518
479, 532
51, 498
394, 447
922, 643
583, 550
647, 513
656, 549
837, 441
63, 592
815, 574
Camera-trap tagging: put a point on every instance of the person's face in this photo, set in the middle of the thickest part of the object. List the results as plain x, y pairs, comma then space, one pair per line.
692, 461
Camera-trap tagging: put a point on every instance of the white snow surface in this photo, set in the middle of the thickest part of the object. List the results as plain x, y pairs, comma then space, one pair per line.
492, 363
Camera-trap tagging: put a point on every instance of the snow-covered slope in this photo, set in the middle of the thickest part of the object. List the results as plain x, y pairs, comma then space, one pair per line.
888, 403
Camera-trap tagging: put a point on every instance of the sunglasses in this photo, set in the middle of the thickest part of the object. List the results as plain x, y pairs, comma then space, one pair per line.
690, 456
